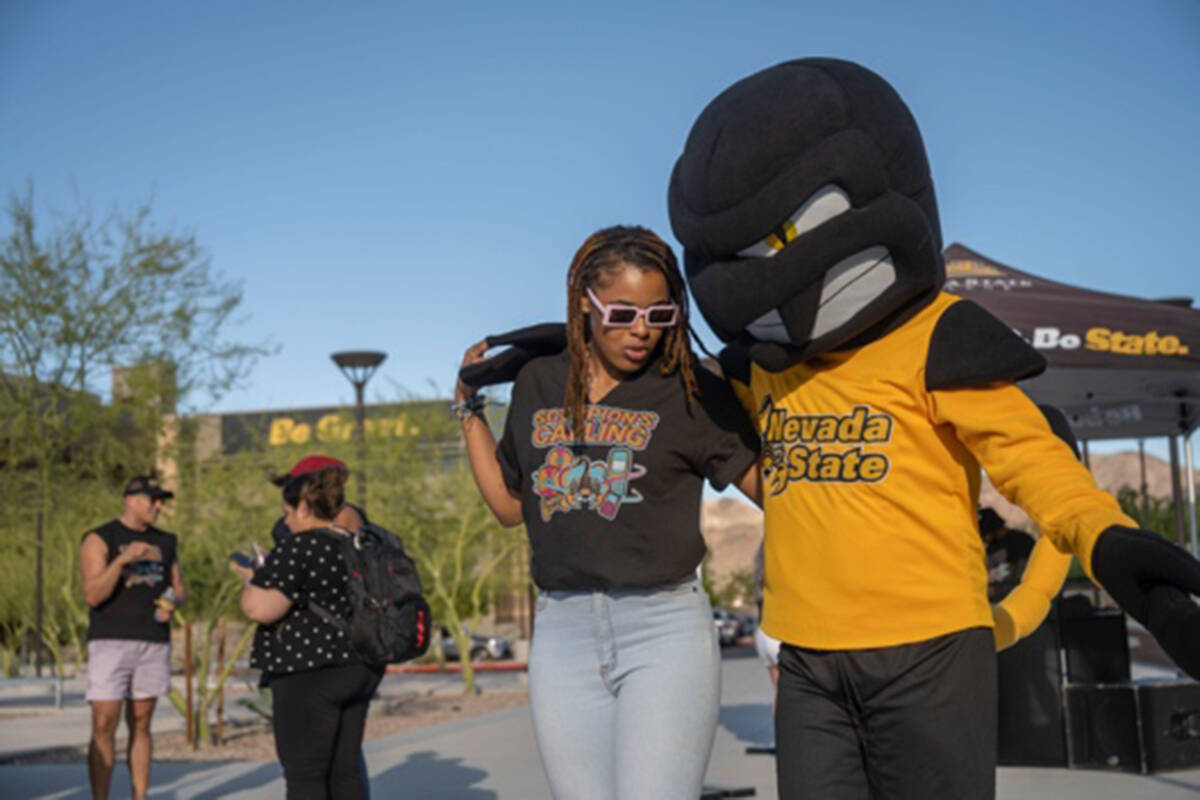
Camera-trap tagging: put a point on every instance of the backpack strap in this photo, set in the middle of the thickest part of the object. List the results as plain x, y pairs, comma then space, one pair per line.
324, 614
343, 536
339, 534
327, 616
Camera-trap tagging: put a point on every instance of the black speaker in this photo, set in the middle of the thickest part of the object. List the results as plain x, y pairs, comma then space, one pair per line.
1030, 701
1170, 714
1102, 727
1097, 647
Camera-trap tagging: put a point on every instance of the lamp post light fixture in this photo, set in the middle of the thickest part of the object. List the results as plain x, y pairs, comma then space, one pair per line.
358, 366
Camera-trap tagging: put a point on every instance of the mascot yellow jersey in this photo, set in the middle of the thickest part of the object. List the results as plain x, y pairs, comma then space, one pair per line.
812, 246
870, 480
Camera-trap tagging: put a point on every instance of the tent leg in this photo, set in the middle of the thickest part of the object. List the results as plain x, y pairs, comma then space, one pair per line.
1145, 502
1176, 489
1087, 461
1191, 491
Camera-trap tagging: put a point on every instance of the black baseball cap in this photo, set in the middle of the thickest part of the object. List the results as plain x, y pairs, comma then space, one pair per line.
145, 484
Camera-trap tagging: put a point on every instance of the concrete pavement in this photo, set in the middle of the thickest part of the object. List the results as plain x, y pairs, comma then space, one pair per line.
493, 757
29, 721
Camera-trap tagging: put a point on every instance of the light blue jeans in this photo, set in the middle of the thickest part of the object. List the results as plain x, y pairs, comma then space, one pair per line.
625, 687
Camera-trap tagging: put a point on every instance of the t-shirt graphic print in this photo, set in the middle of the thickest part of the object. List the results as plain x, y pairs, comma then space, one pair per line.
146, 571
569, 482
618, 505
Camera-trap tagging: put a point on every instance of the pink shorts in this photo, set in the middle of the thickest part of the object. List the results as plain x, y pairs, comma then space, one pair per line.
124, 669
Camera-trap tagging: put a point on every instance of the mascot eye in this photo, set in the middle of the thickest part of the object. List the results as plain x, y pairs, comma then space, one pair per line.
826, 203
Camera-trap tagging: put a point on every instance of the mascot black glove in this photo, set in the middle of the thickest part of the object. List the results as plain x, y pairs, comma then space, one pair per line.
1150, 578
526, 344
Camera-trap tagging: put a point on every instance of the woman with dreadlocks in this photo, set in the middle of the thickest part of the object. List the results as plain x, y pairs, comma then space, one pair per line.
603, 458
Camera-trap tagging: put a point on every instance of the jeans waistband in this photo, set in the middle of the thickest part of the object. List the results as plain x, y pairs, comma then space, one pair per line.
624, 591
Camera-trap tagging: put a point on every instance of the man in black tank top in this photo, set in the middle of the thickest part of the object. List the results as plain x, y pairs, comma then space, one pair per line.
132, 584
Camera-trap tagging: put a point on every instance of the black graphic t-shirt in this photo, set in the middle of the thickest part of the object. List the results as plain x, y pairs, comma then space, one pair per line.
622, 508
307, 567
128, 613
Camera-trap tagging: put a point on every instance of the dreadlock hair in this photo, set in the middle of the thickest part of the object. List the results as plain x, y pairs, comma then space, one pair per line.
603, 254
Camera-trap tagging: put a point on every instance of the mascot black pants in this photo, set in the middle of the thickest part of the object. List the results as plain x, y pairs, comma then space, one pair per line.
892, 723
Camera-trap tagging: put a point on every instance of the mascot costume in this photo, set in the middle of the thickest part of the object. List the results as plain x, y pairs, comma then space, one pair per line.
812, 246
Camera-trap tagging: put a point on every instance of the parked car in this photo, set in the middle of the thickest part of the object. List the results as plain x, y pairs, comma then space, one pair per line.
483, 648
726, 625
747, 624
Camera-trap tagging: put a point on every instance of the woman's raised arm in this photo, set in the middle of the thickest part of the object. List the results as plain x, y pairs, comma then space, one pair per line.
481, 451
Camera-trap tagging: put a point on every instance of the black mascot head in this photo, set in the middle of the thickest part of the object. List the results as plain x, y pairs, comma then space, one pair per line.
806, 211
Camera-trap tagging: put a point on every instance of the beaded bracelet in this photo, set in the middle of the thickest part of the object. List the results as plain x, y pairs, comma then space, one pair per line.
471, 407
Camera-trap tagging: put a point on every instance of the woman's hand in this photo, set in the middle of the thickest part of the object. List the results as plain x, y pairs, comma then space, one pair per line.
481, 450
244, 573
474, 355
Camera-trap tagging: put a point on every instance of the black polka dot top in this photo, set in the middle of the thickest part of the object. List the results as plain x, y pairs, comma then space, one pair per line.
307, 566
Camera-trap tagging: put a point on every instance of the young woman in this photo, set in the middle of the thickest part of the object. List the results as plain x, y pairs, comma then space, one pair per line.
603, 457
319, 689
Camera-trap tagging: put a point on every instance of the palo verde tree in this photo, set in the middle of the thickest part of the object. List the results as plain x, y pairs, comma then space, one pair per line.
459, 548
90, 306
1153, 513
424, 493
224, 504
88, 297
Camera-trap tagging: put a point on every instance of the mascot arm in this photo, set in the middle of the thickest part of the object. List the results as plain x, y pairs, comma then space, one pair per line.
970, 347
525, 344
1150, 578
1022, 611
1029, 465
744, 396
735, 365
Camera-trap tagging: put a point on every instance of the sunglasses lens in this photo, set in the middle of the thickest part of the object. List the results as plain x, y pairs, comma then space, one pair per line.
621, 315
661, 316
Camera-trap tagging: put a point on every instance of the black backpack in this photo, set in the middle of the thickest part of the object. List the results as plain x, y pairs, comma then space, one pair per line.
389, 619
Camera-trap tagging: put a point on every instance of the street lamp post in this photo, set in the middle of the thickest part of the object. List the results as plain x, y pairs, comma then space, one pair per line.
37, 643
358, 366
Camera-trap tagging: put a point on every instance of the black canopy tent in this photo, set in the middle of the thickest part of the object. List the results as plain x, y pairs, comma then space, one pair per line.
1119, 367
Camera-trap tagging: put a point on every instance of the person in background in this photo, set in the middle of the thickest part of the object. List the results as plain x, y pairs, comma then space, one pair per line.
604, 455
351, 517
320, 690
133, 584
1007, 553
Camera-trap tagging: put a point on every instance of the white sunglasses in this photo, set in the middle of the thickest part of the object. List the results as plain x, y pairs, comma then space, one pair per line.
622, 315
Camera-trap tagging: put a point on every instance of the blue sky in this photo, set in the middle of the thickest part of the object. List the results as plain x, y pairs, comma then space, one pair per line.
409, 177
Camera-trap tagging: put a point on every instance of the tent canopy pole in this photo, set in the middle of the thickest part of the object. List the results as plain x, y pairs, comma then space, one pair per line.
1145, 491
1176, 488
1191, 490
